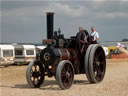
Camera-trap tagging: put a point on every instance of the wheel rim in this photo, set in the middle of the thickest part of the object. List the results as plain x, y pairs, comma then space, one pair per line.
37, 74
99, 64
67, 75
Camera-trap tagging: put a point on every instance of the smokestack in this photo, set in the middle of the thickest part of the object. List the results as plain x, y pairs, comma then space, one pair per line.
50, 24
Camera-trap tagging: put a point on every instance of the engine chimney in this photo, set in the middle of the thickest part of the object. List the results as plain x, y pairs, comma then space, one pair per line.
50, 24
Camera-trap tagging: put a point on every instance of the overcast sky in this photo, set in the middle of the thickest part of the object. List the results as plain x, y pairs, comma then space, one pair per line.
24, 21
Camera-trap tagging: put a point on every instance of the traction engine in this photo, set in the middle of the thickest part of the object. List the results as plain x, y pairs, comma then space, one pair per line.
65, 57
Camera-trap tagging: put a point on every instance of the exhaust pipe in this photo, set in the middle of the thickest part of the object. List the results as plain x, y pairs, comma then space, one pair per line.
50, 24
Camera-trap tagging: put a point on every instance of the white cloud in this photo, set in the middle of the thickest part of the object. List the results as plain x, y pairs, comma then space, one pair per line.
64, 0
123, 0
25, 13
65, 9
115, 14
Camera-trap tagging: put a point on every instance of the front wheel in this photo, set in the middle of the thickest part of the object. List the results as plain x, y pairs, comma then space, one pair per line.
35, 74
65, 74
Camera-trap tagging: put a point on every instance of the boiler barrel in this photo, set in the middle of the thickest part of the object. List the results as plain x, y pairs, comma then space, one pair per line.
52, 56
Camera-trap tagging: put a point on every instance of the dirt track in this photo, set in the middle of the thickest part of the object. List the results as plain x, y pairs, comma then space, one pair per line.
115, 83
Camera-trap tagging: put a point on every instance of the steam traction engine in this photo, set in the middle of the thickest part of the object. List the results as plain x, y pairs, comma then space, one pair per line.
65, 57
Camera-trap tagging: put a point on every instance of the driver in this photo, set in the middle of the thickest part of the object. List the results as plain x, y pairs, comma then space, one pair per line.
81, 29
85, 32
82, 40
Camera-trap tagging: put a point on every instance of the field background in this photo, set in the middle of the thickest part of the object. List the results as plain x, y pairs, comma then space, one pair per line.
13, 83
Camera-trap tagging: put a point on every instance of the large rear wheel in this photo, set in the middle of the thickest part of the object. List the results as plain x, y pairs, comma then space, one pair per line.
65, 74
35, 74
95, 63
86, 63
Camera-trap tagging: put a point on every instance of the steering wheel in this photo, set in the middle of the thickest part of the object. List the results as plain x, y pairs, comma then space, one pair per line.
82, 40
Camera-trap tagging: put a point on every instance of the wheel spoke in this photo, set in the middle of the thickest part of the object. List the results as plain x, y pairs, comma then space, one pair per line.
70, 78
102, 62
95, 68
98, 65
63, 74
82, 49
33, 79
99, 54
65, 82
38, 78
68, 68
99, 74
35, 67
32, 71
64, 69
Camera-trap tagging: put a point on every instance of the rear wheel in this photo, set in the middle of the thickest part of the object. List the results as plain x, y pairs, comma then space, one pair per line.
65, 74
35, 74
86, 63
95, 63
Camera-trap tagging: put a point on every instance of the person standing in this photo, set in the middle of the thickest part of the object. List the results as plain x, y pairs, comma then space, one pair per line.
94, 36
81, 29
